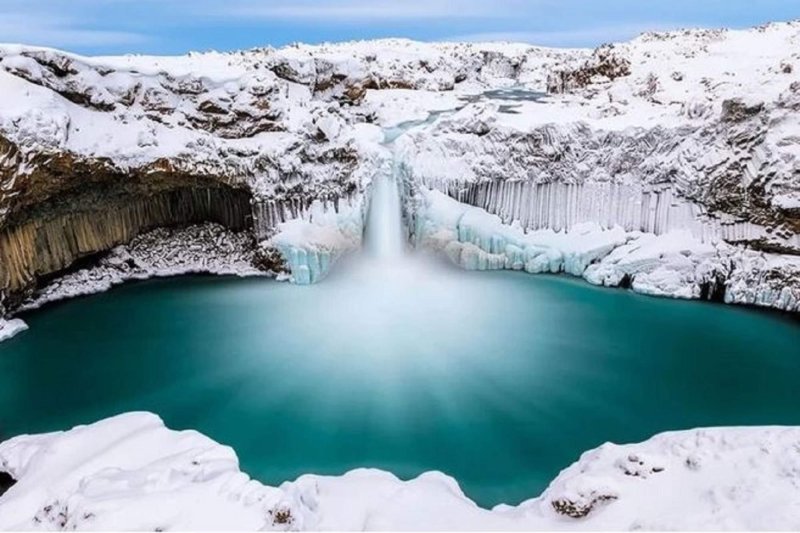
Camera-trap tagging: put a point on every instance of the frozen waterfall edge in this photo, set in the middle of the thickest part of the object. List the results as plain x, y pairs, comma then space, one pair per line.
675, 263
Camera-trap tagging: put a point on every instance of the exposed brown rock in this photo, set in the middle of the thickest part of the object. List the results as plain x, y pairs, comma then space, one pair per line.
49, 243
580, 509
604, 65
736, 110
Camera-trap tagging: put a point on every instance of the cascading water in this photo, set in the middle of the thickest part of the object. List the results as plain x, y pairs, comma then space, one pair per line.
385, 237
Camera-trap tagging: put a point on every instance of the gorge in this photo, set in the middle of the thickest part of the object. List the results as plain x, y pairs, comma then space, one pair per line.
376, 176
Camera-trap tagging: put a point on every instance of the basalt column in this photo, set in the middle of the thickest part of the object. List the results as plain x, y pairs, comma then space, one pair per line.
50, 241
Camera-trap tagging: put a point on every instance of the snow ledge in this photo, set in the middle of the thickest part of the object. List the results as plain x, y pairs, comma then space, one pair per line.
11, 327
130, 472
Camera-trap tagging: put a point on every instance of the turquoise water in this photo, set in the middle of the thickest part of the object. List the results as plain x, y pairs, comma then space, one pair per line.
499, 379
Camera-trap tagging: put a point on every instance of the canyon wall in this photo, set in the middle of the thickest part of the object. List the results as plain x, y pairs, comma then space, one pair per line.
46, 245
688, 137
681, 182
656, 208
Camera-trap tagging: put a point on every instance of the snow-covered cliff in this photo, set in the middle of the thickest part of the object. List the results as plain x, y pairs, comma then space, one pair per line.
131, 473
687, 139
684, 145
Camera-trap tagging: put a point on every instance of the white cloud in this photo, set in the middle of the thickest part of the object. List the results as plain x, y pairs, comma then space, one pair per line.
361, 10
576, 37
59, 31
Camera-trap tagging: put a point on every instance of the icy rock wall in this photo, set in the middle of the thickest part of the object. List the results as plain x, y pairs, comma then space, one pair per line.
46, 245
478, 240
269, 213
317, 237
673, 264
656, 209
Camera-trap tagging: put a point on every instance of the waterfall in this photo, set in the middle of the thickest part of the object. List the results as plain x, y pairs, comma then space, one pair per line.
384, 237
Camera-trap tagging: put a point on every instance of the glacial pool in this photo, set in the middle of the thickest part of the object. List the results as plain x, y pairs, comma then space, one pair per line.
499, 379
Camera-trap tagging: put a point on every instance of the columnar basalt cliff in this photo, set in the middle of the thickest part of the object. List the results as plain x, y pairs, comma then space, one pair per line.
92, 155
707, 150
678, 150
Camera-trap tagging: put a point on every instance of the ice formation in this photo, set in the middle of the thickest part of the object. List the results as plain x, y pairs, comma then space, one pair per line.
9, 328
311, 243
674, 263
132, 473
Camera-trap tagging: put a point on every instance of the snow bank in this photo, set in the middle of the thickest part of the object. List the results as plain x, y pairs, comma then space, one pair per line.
132, 473
10, 327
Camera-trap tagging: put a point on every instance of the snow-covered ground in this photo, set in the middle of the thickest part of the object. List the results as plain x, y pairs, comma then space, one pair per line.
132, 473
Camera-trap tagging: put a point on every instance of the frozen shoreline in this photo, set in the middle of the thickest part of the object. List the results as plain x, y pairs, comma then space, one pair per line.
10, 328
673, 264
668, 265
200, 249
131, 472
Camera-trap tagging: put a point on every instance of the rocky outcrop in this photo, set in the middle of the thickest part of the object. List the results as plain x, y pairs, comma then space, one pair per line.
604, 65
45, 245
195, 249
94, 154
642, 150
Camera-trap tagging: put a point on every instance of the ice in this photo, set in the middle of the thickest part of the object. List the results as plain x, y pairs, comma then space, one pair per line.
311, 243
675, 263
11, 327
477, 240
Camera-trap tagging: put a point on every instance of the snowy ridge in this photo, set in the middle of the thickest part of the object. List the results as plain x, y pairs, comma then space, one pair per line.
691, 134
130, 472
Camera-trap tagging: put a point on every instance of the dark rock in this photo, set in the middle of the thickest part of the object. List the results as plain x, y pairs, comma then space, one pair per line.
575, 509
6, 482
736, 110
605, 64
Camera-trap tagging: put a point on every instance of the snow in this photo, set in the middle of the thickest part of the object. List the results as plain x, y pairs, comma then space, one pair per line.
645, 151
392, 107
637, 179
617, 172
11, 327
132, 473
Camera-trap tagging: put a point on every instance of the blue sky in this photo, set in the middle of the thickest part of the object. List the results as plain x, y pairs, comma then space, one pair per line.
175, 26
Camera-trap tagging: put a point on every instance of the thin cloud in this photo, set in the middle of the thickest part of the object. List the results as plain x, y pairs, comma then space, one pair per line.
568, 38
57, 31
364, 10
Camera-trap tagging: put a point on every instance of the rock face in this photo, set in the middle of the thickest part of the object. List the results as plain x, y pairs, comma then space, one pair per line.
708, 150
689, 133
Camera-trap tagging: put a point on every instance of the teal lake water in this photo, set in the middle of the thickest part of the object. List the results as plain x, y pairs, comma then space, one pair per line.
498, 379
